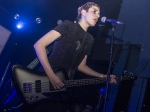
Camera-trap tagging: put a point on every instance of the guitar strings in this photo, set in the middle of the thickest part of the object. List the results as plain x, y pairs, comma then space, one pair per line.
68, 83
51, 88
71, 82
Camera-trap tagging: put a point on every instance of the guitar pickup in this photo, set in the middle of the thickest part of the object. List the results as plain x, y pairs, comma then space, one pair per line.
38, 86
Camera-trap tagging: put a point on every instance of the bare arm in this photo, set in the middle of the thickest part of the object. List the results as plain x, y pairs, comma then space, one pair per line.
40, 48
85, 69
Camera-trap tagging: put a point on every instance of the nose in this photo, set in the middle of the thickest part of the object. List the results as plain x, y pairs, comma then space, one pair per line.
97, 15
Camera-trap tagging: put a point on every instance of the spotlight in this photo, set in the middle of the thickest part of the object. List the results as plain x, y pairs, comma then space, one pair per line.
38, 20
16, 16
20, 25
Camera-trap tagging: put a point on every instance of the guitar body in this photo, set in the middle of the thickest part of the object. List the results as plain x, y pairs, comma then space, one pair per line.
34, 86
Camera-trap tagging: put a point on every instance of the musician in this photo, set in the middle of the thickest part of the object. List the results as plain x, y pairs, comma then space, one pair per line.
72, 45
68, 37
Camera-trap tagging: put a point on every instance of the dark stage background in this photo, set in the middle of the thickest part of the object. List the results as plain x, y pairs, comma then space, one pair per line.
131, 51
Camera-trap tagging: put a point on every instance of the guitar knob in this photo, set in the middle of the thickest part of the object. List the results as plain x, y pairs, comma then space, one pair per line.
31, 98
27, 98
37, 97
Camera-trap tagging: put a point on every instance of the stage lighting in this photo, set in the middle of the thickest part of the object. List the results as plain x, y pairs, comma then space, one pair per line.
38, 20
16, 16
20, 25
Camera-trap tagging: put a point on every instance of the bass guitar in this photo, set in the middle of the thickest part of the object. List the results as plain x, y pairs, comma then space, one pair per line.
35, 86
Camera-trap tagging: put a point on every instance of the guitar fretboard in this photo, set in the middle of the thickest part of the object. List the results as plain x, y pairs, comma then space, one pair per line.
80, 82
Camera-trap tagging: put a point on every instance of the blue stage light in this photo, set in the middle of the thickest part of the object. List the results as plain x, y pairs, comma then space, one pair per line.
20, 25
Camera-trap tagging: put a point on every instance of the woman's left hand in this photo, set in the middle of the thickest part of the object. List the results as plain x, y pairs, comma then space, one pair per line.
113, 79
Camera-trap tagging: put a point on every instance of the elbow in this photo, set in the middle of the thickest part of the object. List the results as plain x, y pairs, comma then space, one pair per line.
80, 68
35, 45
38, 45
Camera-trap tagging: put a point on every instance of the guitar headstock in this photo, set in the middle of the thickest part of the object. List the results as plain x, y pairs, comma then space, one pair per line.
128, 75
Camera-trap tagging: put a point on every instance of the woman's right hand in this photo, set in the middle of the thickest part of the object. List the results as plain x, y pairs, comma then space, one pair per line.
56, 82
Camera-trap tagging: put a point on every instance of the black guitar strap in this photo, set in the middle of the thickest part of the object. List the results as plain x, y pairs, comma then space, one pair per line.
73, 68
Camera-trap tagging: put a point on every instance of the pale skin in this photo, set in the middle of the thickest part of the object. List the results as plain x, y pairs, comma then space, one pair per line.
88, 18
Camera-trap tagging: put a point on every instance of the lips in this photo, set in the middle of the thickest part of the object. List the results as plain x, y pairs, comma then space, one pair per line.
95, 20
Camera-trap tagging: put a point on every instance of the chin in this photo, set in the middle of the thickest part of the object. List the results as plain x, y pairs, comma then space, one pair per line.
92, 25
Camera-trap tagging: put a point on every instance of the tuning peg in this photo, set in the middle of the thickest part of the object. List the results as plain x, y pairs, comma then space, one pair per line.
125, 72
131, 73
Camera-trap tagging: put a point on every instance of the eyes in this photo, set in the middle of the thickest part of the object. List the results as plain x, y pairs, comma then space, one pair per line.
96, 12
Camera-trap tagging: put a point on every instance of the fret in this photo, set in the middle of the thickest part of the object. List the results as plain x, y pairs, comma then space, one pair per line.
80, 82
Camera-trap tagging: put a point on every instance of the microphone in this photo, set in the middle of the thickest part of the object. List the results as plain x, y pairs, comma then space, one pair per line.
104, 19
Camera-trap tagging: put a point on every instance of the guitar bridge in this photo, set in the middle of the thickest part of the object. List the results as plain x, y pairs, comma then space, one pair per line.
27, 87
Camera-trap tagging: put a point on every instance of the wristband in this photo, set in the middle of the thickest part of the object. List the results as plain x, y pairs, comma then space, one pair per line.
101, 76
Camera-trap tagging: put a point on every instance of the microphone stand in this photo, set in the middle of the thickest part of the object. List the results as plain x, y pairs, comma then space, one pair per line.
102, 92
108, 72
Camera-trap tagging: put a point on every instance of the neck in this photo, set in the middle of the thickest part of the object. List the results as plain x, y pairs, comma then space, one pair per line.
83, 25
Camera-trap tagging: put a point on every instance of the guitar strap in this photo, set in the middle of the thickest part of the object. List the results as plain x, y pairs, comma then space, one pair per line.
35, 62
73, 68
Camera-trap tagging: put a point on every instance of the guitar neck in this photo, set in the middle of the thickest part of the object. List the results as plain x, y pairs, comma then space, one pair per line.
81, 82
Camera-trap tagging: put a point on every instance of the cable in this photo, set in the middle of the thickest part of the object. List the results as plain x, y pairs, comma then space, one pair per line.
5, 87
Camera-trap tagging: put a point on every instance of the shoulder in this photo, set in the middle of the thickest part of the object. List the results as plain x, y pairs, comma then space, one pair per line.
70, 26
67, 22
66, 25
